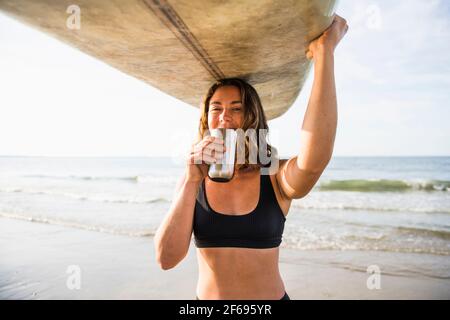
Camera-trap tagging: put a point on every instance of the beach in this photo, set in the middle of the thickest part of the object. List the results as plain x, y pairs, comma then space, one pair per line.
121, 267
91, 221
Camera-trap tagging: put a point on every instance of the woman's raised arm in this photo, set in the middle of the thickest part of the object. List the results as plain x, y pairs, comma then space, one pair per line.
296, 178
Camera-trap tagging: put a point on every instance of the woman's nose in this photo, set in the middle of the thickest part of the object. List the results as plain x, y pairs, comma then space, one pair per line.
225, 115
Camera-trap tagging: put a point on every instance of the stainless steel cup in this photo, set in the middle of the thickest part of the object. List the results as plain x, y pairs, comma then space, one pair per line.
223, 171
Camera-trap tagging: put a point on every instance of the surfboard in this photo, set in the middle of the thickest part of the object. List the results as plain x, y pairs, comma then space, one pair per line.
182, 46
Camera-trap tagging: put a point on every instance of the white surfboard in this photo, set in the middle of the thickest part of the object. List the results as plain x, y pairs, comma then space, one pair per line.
182, 46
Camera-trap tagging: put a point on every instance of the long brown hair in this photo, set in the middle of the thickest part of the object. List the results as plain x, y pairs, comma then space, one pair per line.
254, 118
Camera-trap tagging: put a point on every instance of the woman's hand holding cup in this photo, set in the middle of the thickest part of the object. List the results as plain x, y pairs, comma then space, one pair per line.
207, 151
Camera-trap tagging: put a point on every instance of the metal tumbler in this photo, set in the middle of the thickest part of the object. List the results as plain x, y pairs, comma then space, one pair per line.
223, 171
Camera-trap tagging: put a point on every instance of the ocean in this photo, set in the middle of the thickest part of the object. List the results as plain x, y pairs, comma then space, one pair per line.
390, 204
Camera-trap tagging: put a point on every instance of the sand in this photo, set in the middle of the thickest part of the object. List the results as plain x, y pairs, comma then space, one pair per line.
35, 257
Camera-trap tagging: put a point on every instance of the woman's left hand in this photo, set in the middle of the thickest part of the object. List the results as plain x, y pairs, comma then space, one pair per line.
329, 39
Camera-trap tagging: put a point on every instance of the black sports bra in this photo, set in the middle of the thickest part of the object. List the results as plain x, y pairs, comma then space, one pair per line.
261, 228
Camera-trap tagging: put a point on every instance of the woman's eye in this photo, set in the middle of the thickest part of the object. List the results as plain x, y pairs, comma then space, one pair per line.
217, 109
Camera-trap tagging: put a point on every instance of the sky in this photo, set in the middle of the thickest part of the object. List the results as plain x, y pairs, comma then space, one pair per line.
392, 79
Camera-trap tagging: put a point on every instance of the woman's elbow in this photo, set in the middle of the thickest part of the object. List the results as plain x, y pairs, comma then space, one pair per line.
166, 265
166, 259
168, 262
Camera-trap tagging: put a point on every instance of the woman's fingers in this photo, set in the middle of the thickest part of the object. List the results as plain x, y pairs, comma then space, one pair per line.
341, 24
213, 153
206, 153
209, 150
208, 159
210, 144
214, 147
330, 38
199, 158
206, 141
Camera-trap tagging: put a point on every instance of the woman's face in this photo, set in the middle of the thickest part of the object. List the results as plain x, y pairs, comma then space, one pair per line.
226, 109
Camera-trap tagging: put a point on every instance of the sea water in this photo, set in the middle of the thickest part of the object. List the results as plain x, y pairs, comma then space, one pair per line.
390, 204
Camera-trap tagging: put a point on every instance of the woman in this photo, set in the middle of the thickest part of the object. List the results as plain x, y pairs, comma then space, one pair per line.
238, 225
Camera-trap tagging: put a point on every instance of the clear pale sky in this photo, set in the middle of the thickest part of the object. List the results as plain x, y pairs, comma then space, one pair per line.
392, 74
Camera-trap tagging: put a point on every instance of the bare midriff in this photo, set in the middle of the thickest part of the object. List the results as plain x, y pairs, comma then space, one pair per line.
239, 273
